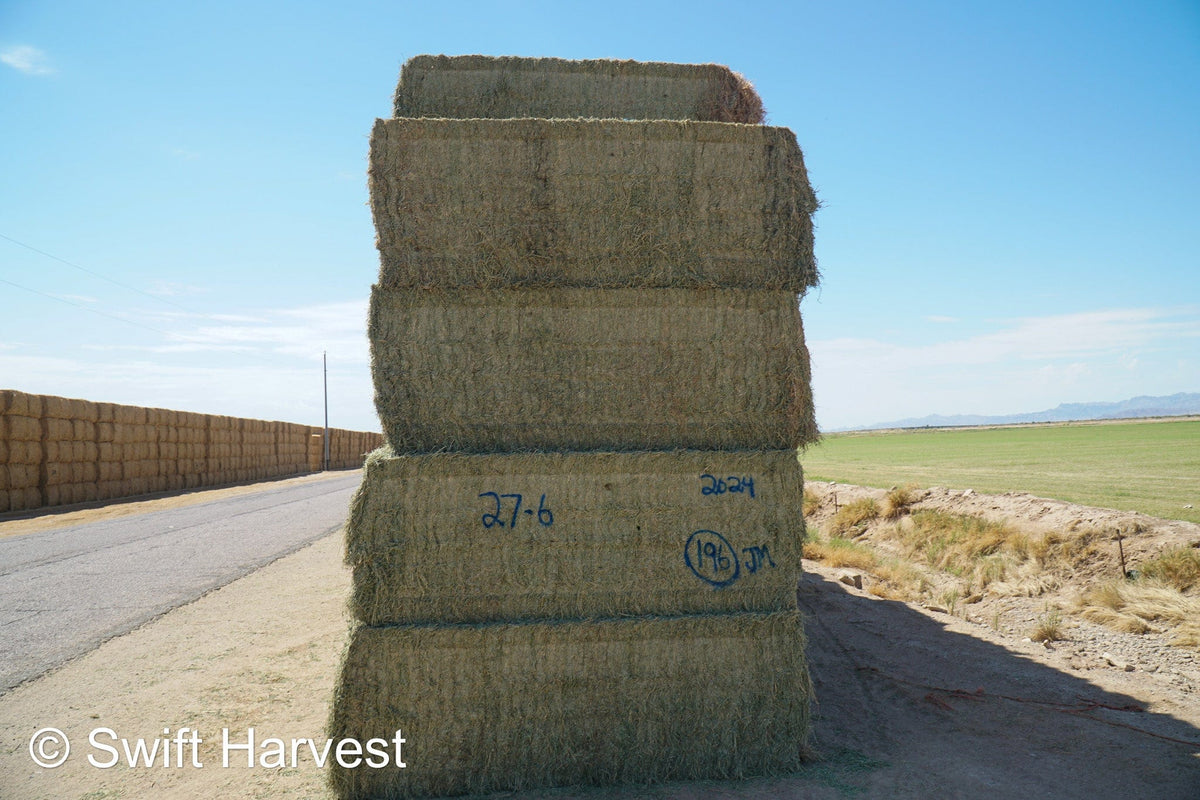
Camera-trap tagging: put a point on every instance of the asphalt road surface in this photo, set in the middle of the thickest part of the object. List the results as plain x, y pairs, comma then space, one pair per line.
65, 591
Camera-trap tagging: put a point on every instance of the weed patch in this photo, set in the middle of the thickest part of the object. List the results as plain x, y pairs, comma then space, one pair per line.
1049, 626
1142, 606
1178, 567
897, 501
854, 516
838, 552
812, 503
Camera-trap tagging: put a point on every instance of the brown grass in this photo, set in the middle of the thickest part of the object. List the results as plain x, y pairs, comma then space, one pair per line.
854, 516
1178, 567
897, 501
838, 552
1049, 626
1142, 606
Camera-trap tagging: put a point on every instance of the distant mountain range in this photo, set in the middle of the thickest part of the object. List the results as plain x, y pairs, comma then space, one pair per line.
1174, 405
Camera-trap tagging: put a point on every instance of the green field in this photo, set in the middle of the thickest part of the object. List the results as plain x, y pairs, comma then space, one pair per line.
1152, 466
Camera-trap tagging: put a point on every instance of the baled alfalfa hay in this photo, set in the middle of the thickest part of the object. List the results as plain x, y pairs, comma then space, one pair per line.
480, 538
475, 86
590, 203
590, 369
514, 707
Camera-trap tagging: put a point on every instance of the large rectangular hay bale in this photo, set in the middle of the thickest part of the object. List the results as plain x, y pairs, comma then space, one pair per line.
475, 86
20, 428
513, 707
590, 203
480, 538
20, 499
590, 369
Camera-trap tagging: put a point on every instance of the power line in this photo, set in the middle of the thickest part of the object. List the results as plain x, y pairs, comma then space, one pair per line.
115, 282
95, 274
85, 308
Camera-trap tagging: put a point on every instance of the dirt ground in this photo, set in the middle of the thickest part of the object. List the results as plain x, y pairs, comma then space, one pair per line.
910, 702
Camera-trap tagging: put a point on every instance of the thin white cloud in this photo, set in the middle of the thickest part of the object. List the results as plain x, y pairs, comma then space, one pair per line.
26, 59
1023, 364
174, 289
305, 332
184, 154
1030, 338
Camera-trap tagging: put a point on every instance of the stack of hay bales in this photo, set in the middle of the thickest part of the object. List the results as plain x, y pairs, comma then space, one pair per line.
58, 450
22, 439
576, 559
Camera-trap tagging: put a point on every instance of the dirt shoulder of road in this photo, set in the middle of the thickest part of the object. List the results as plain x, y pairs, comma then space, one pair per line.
910, 702
45, 519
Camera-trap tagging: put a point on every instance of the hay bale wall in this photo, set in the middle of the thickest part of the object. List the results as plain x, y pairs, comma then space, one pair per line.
480, 538
58, 451
585, 369
21, 431
513, 707
486, 86
590, 203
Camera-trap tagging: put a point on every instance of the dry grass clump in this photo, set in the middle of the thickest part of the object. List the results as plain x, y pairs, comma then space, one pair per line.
989, 552
1143, 606
839, 552
1049, 626
897, 502
854, 516
894, 579
1178, 567
812, 503
960, 544
899, 580
1157, 600
1066, 550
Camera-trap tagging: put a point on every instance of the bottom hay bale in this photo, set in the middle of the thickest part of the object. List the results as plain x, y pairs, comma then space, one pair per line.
520, 706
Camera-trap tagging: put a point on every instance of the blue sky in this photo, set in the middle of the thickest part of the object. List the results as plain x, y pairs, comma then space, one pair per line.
1011, 191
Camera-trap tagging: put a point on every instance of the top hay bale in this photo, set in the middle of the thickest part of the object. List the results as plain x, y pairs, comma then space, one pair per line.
475, 87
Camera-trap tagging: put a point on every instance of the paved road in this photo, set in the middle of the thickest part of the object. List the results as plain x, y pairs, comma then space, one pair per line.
63, 592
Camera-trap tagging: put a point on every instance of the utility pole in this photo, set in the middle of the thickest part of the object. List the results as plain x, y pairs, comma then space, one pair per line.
325, 379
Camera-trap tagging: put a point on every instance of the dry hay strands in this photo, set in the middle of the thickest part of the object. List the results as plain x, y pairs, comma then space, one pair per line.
476, 86
590, 203
514, 707
479, 538
590, 369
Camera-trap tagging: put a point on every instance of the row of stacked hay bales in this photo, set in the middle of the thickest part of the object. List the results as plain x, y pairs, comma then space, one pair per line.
576, 559
58, 451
